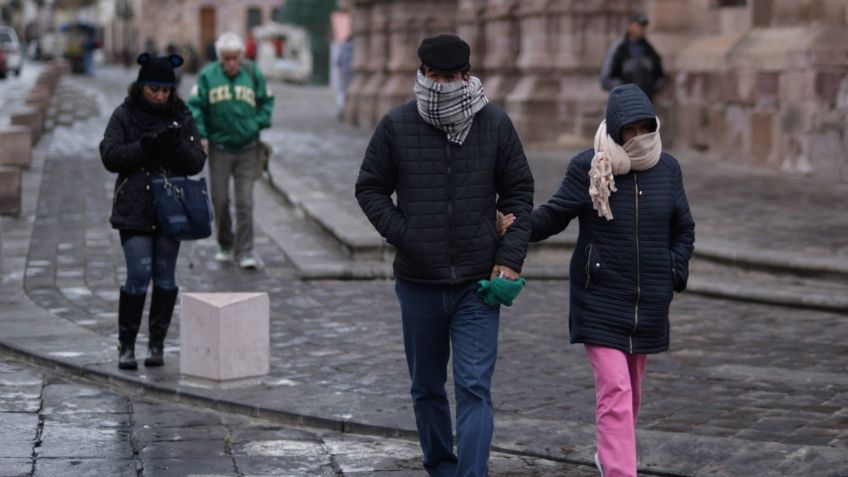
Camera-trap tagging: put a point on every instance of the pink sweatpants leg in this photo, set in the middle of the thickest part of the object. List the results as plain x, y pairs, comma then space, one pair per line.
618, 393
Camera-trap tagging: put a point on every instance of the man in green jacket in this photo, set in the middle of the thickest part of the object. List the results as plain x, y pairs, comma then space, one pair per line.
231, 103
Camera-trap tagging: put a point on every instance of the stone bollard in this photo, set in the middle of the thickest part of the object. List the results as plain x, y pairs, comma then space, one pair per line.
17, 146
29, 117
225, 336
39, 98
48, 79
10, 190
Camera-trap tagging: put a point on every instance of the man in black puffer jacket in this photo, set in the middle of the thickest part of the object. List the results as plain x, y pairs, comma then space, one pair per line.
632, 59
453, 160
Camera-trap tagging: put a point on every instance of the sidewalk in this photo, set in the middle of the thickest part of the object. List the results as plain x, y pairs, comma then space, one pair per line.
747, 389
761, 236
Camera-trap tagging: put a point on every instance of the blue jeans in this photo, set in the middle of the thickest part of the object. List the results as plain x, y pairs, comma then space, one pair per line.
437, 320
149, 257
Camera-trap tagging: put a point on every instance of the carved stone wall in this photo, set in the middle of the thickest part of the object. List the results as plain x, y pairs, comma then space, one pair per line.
765, 83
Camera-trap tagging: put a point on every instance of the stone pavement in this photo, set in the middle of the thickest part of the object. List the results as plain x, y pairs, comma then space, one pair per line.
55, 426
747, 389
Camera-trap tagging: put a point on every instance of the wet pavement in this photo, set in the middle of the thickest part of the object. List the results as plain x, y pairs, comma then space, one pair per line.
747, 389
53, 426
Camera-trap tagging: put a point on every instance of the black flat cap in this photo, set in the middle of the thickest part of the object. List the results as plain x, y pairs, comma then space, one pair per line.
639, 18
446, 53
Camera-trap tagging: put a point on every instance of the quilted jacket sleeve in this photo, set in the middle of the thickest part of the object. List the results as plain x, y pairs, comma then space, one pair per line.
554, 216
514, 183
189, 156
376, 184
682, 239
117, 151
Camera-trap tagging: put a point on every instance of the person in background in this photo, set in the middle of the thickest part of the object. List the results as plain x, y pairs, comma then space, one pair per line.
632, 59
150, 135
231, 103
344, 62
250, 48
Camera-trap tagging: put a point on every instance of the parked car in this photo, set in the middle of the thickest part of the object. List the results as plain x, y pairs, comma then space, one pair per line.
2, 63
14, 53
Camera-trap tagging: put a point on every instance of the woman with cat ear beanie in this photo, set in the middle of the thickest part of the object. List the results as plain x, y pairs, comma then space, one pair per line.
150, 135
635, 240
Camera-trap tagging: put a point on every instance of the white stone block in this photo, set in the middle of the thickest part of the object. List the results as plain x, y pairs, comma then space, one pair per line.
224, 335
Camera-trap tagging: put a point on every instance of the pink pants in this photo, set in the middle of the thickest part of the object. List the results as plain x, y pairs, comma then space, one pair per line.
618, 392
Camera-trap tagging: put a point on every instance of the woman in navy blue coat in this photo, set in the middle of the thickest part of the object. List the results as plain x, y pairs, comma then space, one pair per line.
636, 237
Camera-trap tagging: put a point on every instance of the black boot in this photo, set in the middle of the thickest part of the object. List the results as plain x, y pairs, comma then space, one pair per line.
161, 311
130, 308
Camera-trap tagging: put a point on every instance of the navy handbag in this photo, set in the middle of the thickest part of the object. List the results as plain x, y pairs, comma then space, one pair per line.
183, 208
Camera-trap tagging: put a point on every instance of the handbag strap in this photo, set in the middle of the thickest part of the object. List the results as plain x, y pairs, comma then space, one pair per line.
179, 193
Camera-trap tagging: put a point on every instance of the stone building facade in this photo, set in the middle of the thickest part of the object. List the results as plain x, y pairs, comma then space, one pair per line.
131, 24
756, 81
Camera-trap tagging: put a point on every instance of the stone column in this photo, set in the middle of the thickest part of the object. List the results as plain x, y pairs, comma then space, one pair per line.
500, 30
377, 56
583, 36
361, 32
470, 26
411, 21
533, 104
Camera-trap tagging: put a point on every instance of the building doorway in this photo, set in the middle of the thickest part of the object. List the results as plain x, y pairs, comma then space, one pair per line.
208, 32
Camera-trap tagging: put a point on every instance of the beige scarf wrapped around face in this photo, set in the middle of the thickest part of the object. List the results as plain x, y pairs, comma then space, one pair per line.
639, 154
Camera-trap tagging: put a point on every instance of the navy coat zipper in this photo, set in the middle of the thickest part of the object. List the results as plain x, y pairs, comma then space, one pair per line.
638, 272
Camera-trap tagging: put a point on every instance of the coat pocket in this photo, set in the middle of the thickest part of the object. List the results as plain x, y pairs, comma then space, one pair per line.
679, 276
594, 265
118, 188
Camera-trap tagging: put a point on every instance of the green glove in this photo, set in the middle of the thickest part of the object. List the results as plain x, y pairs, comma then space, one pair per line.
500, 291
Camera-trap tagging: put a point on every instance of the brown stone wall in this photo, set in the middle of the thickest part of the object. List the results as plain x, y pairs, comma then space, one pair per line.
178, 21
765, 83
769, 94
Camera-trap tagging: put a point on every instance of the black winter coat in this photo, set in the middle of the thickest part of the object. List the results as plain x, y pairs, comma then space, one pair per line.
121, 152
443, 224
620, 67
623, 272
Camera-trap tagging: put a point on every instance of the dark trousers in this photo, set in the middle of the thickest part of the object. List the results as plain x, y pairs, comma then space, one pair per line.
438, 320
243, 167
149, 256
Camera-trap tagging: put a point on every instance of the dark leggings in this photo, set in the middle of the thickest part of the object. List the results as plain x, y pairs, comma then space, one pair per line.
149, 257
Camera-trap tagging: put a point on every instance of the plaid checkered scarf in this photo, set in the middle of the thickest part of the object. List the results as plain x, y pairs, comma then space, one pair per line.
450, 106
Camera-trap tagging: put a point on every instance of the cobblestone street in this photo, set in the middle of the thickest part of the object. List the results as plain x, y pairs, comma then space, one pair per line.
747, 389
53, 426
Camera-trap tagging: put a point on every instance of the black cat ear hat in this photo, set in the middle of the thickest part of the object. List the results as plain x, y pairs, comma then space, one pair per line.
158, 70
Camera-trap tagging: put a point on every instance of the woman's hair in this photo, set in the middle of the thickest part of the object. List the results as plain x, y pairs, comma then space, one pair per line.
228, 41
175, 104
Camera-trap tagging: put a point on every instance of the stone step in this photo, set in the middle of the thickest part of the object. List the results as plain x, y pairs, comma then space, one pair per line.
358, 238
325, 241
